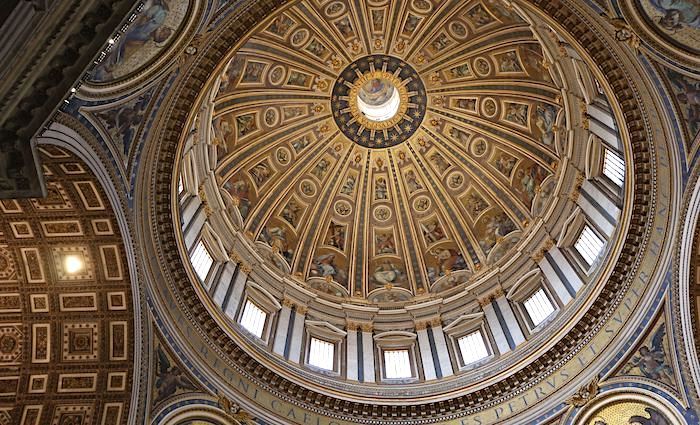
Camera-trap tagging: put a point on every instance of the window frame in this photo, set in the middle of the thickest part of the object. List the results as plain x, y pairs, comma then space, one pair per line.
525, 313
264, 301
249, 301
328, 333
462, 326
395, 341
464, 365
578, 257
202, 241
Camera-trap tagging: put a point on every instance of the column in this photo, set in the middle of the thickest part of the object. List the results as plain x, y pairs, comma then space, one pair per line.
194, 227
225, 280
232, 299
351, 352
441, 348
282, 330
564, 284
426, 353
511, 321
504, 326
367, 353
297, 334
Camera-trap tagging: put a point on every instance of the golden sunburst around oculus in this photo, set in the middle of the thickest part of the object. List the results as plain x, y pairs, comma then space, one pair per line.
378, 101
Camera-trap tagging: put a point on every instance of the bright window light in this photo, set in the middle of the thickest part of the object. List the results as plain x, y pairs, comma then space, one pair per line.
321, 354
397, 364
472, 347
589, 245
201, 260
538, 306
613, 167
253, 319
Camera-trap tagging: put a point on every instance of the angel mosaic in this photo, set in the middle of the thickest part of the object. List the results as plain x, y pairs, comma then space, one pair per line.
439, 162
384, 243
509, 62
324, 265
299, 144
380, 189
475, 204
412, 182
545, 117
170, 379
432, 231
240, 191
449, 260
687, 93
253, 72
291, 213
530, 181
505, 164
276, 237
321, 169
461, 71
245, 125
387, 273
516, 113
480, 16
261, 172
335, 236
349, 185
281, 25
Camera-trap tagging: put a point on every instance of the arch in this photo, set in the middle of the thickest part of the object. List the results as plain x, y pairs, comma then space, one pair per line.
70, 135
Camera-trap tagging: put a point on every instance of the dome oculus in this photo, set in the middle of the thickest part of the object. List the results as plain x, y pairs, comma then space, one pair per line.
378, 101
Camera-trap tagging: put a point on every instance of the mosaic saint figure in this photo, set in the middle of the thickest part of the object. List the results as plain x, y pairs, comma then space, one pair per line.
148, 27
678, 13
652, 361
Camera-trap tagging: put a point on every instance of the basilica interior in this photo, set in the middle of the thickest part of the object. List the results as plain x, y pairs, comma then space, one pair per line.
336, 212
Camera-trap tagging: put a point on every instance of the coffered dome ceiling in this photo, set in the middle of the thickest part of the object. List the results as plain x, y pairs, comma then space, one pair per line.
385, 150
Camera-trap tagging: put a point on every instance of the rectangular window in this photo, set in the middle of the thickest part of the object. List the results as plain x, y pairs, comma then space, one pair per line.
589, 245
472, 347
613, 167
321, 354
538, 306
253, 319
397, 364
201, 260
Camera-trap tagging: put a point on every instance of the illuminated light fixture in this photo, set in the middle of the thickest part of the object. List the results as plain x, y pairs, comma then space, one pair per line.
72, 264
110, 41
